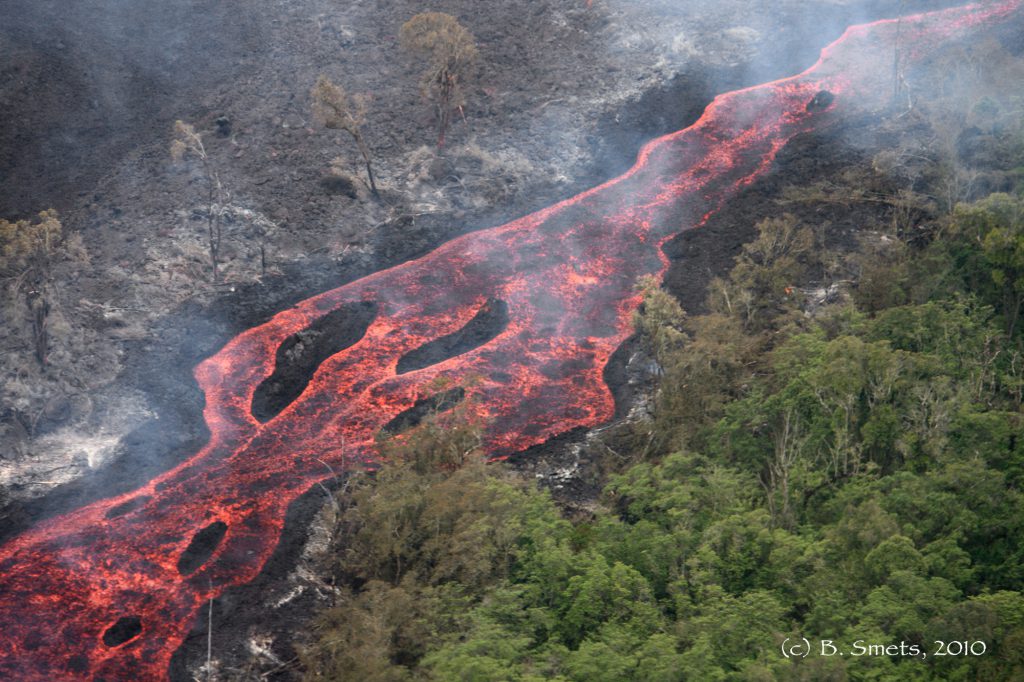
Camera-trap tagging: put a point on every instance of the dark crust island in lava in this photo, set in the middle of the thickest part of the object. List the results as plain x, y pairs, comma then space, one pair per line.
110, 590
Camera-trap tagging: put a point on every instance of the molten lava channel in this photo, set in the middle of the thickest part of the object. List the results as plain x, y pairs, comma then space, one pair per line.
110, 590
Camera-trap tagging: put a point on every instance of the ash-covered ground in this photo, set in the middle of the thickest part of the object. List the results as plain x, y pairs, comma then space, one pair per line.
564, 95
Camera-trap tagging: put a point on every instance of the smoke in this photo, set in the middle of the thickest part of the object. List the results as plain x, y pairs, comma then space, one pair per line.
86, 82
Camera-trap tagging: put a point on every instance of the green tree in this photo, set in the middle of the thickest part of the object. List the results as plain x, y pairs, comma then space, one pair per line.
740, 628
988, 249
605, 593
763, 282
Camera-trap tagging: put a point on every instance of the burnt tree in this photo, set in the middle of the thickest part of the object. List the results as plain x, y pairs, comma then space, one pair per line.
449, 51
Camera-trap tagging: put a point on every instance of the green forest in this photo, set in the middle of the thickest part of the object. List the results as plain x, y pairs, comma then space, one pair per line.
850, 476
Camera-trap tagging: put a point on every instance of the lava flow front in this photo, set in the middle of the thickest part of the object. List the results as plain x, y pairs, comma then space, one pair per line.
110, 591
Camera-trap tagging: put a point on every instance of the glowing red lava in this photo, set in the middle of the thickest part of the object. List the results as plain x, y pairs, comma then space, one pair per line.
103, 592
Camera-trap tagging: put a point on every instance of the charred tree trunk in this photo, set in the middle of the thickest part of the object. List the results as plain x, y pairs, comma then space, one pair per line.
364, 150
214, 237
214, 202
446, 93
39, 309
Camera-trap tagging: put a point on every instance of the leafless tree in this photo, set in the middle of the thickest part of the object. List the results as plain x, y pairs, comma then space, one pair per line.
335, 109
189, 143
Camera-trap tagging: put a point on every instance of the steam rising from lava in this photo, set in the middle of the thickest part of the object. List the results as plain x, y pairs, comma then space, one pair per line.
110, 591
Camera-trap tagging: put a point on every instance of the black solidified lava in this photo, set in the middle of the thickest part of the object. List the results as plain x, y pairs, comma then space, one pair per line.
821, 101
439, 402
490, 320
202, 547
125, 629
125, 507
299, 356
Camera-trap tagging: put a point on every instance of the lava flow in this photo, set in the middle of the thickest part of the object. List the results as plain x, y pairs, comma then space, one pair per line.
110, 590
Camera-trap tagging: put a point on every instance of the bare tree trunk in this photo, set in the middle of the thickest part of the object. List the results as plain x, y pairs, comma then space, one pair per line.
442, 125
39, 307
214, 250
366, 159
447, 90
214, 198
787, 445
